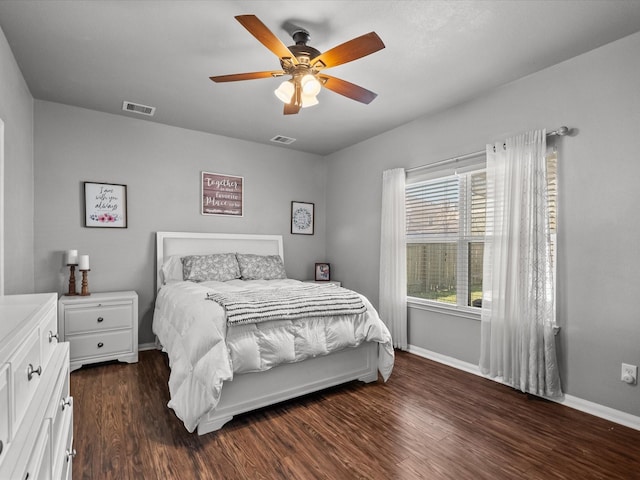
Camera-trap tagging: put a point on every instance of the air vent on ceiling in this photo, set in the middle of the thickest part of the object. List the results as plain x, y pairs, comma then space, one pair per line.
138, 108
283, 140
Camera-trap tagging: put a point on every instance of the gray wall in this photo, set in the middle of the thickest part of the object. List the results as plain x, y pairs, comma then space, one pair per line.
161, 167
16, 111
599, 227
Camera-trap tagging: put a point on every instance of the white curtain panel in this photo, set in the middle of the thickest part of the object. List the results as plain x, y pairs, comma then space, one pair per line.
518, 303
393, 257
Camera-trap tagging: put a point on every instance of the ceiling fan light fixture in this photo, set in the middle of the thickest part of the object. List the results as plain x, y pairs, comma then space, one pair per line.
310, 85
285, 91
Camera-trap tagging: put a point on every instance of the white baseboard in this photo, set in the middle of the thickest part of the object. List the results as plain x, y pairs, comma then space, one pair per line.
147, 346
576, 403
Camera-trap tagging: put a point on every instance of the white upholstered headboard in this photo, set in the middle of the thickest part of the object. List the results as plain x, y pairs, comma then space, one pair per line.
189, 243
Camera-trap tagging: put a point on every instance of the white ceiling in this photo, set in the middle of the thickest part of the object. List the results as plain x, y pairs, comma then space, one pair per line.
98, 53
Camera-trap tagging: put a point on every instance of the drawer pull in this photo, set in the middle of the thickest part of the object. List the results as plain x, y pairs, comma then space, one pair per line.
1, 446
71, 454
100, 344
66, 402
52, 336
100, 319
31, 371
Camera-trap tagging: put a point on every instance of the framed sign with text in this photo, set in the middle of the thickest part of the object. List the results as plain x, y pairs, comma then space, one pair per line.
222, 194
105, 205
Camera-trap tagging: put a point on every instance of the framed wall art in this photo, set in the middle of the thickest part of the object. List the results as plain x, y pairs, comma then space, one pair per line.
222, 194
323, 272
105, 205
302, 218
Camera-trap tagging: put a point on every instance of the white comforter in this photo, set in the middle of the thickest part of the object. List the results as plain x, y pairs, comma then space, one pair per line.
204, 352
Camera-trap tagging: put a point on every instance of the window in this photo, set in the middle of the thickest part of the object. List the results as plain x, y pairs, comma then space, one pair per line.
445, 233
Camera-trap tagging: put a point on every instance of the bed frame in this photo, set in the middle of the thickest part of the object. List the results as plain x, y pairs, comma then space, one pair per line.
250, 391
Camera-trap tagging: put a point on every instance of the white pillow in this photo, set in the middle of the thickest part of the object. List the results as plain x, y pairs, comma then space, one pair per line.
171, 269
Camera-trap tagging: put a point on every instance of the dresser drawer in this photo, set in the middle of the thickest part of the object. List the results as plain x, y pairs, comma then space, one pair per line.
26, 370
99, 344
39, 466
5, 415
63, 456
64, 462
62, 406
96, 317
49, 336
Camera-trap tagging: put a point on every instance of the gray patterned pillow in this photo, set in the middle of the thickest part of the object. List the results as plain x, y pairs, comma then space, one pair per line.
219, 266
260, 267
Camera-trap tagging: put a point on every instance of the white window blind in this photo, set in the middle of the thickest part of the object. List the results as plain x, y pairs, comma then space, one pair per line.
433, 208
445, 228
446, 220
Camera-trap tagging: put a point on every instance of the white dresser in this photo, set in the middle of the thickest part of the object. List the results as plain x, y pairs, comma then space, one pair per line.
100, 327
36, 410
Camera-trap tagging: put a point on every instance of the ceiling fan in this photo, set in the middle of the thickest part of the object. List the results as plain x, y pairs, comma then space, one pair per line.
305, 64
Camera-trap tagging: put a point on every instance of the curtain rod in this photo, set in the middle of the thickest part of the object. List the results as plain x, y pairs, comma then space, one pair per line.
560, 132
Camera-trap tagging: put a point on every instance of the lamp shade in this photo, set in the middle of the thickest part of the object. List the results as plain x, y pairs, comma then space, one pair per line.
285, 91
309, 100
310, 85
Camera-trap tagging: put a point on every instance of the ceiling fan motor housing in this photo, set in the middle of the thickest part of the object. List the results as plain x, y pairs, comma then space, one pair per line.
301, 36
304, 54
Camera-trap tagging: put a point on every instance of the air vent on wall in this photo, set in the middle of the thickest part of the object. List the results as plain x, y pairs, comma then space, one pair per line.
282, 139
138, 108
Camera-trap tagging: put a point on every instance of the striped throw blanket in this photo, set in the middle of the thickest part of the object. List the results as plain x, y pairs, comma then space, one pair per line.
287, 303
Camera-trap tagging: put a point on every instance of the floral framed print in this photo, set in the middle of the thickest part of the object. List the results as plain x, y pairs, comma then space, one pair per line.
105, 205
302, 218
323, 272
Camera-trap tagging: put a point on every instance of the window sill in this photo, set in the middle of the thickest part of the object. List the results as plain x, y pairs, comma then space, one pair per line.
471, 313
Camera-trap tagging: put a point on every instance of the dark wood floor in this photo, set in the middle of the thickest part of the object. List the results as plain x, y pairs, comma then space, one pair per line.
429, 421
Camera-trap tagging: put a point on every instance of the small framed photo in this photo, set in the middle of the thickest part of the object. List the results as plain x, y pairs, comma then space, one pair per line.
323, 272
105, 205
302, 218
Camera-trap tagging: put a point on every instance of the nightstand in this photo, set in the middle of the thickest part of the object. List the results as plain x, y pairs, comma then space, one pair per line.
99, 327
334, 282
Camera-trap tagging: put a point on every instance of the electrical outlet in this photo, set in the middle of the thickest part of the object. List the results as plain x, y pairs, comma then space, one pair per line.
629, 374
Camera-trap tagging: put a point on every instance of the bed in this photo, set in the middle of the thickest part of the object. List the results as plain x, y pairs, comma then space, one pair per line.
210, 346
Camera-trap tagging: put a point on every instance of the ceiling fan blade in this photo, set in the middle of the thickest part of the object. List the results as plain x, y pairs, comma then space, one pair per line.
348, 89
266, 37
352, 50
246, 76
295, 104
291, 108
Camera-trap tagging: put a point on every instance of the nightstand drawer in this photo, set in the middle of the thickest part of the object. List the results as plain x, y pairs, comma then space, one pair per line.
100, 344
91, 318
